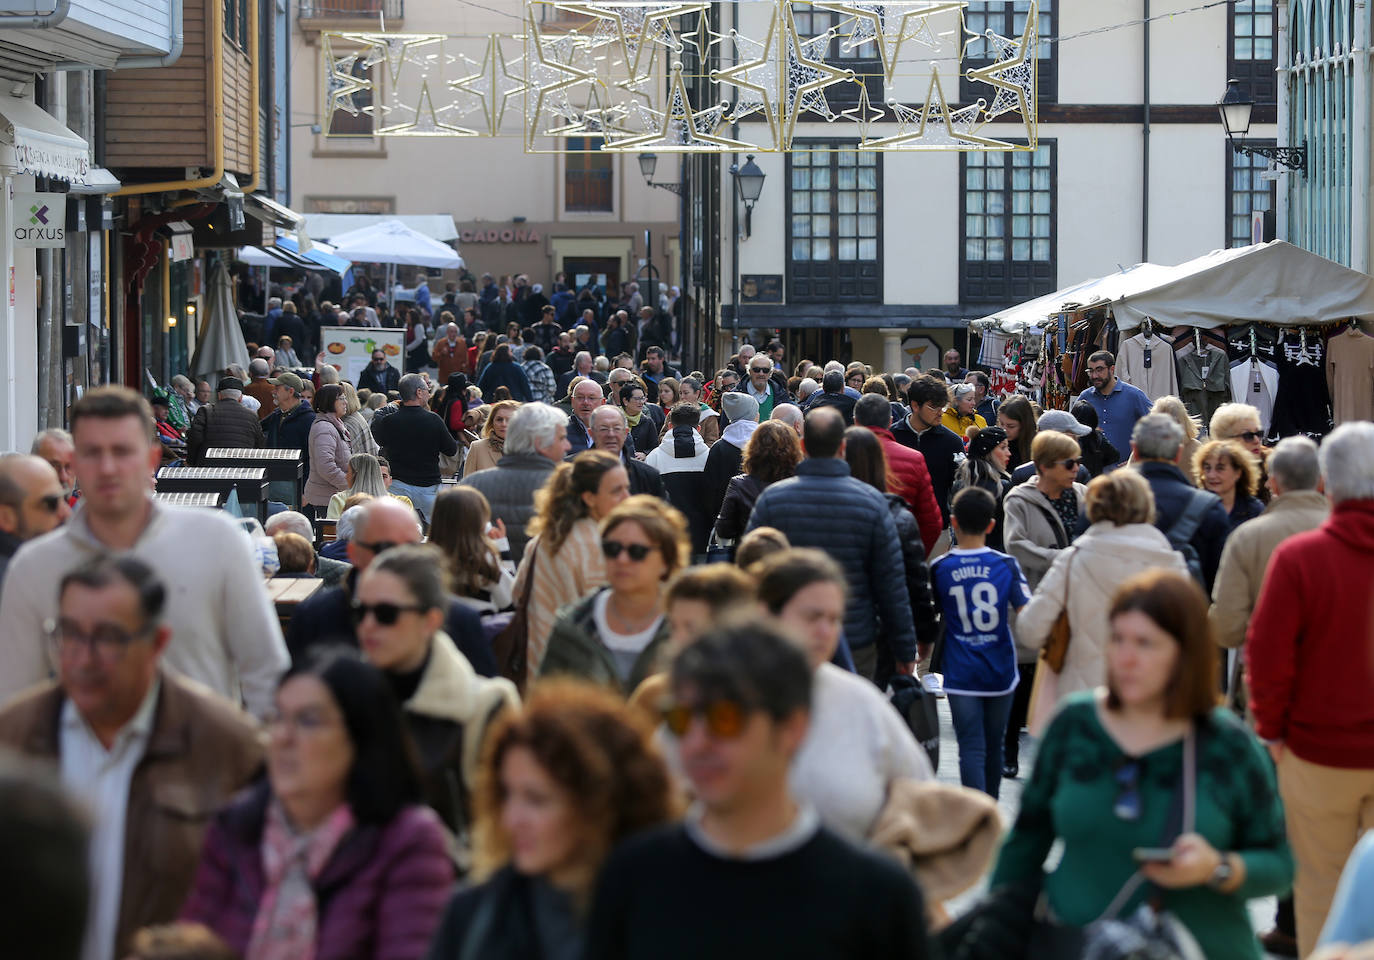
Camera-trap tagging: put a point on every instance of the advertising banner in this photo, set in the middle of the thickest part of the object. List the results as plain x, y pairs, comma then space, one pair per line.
349, 349
40, 219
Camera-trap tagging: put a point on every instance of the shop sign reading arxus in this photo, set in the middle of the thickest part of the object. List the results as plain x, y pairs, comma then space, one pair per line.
40, 220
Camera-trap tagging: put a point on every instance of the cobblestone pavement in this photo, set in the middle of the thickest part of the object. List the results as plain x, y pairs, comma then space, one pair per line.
1261, 911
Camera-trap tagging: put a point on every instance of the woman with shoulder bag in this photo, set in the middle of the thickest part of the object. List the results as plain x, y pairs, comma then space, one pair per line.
1160, 798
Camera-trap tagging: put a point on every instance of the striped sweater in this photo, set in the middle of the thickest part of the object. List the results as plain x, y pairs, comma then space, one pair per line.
570, 574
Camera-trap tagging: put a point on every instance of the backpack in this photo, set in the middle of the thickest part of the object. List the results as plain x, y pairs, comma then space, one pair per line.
1180, 534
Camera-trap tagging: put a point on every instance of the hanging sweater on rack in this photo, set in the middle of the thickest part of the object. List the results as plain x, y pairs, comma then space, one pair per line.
1147, 361
1350, 375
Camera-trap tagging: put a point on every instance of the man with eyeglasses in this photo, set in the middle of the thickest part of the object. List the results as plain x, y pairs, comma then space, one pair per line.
759, 385
127, 737
326, 618
32, 502
750, 872
611, 433
225, 631
1119, 405
923, 431
412, 440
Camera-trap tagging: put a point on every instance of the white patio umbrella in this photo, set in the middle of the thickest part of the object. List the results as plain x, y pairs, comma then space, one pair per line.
394, 242
220, 340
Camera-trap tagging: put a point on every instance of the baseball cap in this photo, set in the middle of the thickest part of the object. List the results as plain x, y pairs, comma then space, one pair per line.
288, 380
1062, 421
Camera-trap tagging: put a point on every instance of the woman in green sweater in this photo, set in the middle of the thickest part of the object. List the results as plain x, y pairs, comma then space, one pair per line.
1109, 767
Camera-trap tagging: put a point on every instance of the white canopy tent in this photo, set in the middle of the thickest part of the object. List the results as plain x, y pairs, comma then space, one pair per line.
394, 242
436, 226
1273, 282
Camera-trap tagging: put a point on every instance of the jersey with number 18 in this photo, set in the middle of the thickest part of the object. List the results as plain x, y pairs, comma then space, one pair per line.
978, 589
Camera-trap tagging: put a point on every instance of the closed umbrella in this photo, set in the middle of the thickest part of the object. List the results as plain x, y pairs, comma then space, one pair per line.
220, 341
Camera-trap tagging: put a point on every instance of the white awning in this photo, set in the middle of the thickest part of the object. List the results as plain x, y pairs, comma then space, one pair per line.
271, 212
98, 181
34, 141
326, 226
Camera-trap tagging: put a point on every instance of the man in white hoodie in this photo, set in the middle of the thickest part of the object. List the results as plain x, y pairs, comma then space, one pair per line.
727, 454
681, 459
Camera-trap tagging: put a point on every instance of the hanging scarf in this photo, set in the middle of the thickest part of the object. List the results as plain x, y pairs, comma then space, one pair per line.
634, 421
496, 444
285, 925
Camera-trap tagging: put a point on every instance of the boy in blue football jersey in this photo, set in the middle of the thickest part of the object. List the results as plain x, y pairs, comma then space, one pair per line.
978, 587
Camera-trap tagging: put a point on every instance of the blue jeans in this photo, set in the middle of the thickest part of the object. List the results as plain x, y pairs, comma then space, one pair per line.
421, 497
980, 724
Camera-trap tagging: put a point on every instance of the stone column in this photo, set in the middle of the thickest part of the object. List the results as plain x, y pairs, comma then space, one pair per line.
893, 361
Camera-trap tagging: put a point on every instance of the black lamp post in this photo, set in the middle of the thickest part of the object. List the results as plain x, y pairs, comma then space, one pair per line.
749, 184
648, 163
1235, 108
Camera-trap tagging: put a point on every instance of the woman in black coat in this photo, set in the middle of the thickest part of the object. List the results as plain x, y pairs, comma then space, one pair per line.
503, 371
772, 454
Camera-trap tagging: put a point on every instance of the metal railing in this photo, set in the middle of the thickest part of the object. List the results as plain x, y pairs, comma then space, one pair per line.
351, 9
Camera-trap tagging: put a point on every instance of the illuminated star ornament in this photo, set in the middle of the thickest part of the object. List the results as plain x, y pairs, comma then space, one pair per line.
426, 122
889, 24
342, 84
1012, 74
395, 49
935, 126
493, 83
685, 130
638, 27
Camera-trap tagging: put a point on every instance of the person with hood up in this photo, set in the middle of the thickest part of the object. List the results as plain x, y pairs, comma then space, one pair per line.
681, 460
727, 454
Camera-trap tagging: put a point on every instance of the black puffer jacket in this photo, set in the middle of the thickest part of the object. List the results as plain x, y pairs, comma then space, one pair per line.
918, 587
224, 423
740, 497
824, 507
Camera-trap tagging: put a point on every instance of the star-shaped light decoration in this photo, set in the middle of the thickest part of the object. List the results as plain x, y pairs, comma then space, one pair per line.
1012, 74
863, 114
394, 49
425, 122
494, 82
935, 126
342, 83
638, 27
552, 74
684, 130
755, 77
807, 76
889, 24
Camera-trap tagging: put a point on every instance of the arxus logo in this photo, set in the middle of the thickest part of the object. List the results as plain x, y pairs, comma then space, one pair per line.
38, 213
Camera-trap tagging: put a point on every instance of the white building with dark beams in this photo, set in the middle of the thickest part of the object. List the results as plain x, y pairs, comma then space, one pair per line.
874, 255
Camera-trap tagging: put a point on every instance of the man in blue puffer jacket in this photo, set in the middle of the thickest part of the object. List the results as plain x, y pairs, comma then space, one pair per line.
824, 507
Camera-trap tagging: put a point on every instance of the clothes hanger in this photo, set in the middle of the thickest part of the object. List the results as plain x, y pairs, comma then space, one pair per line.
1197, 340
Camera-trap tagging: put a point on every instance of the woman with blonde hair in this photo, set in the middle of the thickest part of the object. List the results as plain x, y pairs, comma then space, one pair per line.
484, 454
1122, 542
1229, 470
359, 432
1241, 422
614, 636
562, 783
1192, 427
563, 560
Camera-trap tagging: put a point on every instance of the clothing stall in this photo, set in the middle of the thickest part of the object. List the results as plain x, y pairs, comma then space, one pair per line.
1271, 324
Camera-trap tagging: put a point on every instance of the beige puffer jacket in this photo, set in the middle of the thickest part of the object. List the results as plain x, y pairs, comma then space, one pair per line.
1099, 561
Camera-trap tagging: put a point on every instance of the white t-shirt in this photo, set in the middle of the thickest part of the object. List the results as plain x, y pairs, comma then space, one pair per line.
625, 647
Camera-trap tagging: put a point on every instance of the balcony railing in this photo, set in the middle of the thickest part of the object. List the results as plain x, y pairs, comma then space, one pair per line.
351, 9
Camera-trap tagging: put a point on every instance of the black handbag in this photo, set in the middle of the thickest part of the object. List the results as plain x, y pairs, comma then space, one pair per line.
918, 709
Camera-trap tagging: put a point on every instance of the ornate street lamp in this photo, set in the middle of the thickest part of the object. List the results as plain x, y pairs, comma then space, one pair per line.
1235, 108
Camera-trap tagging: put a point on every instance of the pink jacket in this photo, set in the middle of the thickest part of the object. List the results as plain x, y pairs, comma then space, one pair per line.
329, 454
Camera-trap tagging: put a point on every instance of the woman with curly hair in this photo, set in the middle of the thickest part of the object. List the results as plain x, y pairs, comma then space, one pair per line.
772, 454
562, 783
1230, 471
564, 552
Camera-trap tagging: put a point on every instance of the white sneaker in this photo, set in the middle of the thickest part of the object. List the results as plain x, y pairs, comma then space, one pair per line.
934, 683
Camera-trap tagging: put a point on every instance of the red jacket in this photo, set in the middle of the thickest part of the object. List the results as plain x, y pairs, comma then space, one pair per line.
1309, 651
911, 481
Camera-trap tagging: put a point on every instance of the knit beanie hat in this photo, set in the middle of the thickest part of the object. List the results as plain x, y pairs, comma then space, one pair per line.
986, 441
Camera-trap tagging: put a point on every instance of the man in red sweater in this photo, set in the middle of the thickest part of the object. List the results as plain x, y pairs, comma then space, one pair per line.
910, 475
1310, 658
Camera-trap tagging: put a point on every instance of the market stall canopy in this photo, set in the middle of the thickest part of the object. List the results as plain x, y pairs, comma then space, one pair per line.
287, 253
394, 242
1273, 282
436, 226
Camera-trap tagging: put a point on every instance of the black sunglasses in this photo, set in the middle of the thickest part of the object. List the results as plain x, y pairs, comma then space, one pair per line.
637, 551
1128, 802
1069, 464
1249, 436
386, 613
377, 547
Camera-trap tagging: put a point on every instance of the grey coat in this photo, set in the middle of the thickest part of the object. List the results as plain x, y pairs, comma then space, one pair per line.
510, 487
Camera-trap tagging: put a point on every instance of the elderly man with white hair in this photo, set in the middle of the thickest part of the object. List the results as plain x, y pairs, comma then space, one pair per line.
1309, 657
329, 570
536, 442
790, 414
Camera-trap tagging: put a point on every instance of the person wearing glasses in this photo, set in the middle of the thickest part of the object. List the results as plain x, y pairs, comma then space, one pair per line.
563, 782
752, 871
1043, 515
330, 448
1109, 770
760, 385
614, 637
326, 616
334, 855
127, 735
413, 439
399, 610
1121, 543
640, 417
32, 502
1241, 422
1118, 404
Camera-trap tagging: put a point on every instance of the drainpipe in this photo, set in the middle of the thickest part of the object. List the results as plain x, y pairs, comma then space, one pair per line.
1145, 143
254, 93
61, 9
217, 115
734, 217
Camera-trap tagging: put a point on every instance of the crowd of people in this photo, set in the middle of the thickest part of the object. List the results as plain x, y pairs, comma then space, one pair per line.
612, 661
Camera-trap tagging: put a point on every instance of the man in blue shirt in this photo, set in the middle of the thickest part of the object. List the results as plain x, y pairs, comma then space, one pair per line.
1118, 405
978, 588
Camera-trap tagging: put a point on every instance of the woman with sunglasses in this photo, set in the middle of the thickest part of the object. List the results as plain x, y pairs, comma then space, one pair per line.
857, 744
334, 855
1108, 775
563, 554
1227, 469
1241, 422
562, 783
614, 636
399, 608
1121, 543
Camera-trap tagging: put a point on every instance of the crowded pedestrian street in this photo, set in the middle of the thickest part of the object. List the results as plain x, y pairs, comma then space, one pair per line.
638, 480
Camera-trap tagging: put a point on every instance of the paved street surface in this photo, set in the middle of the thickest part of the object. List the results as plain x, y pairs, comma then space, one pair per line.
1261, 911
